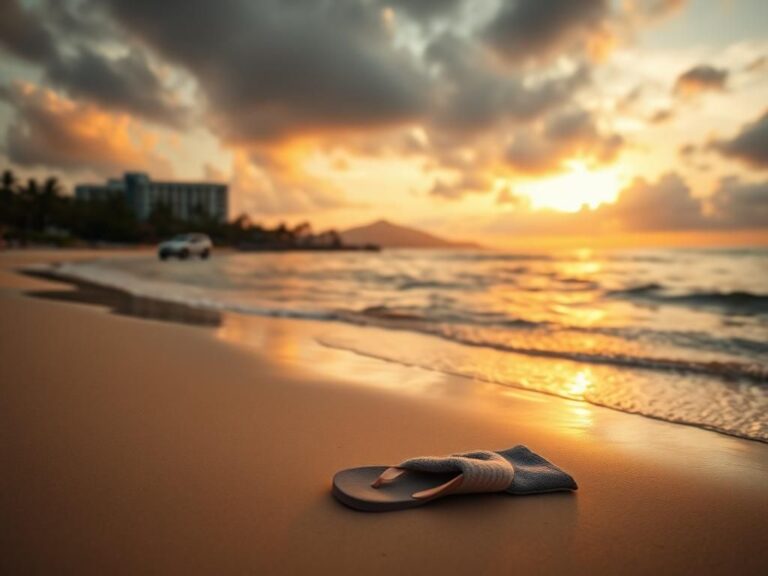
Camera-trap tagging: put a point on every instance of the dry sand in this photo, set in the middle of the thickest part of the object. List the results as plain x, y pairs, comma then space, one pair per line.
134, 446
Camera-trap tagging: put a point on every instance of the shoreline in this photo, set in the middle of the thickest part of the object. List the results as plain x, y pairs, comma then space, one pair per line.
136, 445
124, 302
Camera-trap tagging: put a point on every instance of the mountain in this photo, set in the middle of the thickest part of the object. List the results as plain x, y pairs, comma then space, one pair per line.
389, 235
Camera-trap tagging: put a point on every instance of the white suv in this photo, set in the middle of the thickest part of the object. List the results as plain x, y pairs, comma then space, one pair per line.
185, 245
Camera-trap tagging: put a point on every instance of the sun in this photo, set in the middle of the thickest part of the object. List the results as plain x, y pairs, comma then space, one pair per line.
569, 192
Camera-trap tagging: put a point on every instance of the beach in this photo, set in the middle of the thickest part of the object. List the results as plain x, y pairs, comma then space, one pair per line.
133, 445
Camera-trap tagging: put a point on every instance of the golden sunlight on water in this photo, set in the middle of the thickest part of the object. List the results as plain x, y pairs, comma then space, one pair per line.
295, 344
298, 345
487, 379
579, 384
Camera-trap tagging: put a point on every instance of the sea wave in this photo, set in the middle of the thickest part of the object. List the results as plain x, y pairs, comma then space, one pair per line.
649, 288
737, 300
424, 285
531, 345
504, 334
736, 409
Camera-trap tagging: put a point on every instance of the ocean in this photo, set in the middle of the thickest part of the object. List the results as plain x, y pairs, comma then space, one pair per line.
675, 334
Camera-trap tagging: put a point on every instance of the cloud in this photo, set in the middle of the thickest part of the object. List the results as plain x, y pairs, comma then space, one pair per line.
750, 145
275, 187
423, 10
54, 132
545, 147
567, 135
23, 35
739, 204
757, 65
661, 115
651, 9
701, 78
506, 197
532, 29
125, 82
473, 94
283, 69
468, 182
687, 151
666, 204
476, 104
212, 173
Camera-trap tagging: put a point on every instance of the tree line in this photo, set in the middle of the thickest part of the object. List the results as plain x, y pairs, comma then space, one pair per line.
39, 212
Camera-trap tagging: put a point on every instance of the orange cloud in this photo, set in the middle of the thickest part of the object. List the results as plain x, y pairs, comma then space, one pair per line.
52, 131
271, 184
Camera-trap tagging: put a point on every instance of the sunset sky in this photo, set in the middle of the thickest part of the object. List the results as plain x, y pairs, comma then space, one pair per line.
494, 120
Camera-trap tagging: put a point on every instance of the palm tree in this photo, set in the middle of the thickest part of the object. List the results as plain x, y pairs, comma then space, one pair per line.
335, 238
8, 183
283, 235
49, 202
31, 191
30, 202
52, 186
302, 233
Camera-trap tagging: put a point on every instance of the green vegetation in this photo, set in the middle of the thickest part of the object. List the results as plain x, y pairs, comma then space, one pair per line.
32, 212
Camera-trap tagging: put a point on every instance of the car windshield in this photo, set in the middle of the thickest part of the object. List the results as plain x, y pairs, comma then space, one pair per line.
182, 238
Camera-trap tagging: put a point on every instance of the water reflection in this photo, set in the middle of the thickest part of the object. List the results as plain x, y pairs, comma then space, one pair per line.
578, 386
123, 303
295, 344
737, 408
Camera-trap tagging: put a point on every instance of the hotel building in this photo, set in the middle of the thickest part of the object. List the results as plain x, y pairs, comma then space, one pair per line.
185, 199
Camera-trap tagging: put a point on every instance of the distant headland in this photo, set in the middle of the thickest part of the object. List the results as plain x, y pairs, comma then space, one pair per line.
390, 235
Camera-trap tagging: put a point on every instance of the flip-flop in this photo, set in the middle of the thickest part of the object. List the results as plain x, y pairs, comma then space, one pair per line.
417, 481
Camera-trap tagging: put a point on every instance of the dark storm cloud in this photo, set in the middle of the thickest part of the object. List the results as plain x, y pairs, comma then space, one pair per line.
126, 83
22, 33
274, 69
750, 145
423, 9
531, 28
564, 135
701, 78
473, 94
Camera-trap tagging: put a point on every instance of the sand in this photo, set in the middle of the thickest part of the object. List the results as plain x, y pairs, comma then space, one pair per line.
138, 446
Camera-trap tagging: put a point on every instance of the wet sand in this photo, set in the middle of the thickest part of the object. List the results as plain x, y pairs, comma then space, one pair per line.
132, 445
